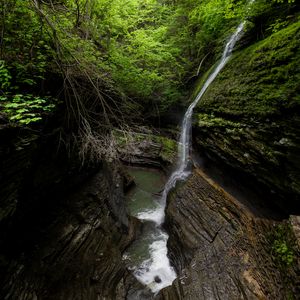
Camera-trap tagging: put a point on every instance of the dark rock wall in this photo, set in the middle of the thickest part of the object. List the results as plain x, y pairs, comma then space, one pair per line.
77, 253
16, 152
63, 226
267, 151
34, 164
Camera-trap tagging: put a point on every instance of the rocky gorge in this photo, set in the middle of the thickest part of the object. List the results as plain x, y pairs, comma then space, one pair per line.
73, 247
233, 224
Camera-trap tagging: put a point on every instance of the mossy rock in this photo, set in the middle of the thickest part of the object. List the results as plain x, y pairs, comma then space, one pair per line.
155, 149
169, 148
260, 80
249, 117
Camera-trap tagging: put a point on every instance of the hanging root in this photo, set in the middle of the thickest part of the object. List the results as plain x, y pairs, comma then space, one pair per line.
90, 97
95, 147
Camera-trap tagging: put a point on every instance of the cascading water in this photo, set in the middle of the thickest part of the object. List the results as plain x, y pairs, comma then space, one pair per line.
156, 271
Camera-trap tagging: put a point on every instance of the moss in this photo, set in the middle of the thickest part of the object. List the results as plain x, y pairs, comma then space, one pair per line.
283, 245
249, 117
283, 250
202, 79
262, 79
209, 120
169, 148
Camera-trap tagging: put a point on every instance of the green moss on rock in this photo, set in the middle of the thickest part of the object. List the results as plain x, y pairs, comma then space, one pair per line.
249, 116
145, 148
262, 79
209, 120
169, 148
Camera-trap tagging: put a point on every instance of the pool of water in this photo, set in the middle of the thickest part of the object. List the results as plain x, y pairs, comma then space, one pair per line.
147, 256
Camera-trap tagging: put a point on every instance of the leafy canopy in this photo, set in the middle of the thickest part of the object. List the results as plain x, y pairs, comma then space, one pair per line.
131, 56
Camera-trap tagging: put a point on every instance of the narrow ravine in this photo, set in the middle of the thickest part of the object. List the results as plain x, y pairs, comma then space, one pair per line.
155, 271
115, 184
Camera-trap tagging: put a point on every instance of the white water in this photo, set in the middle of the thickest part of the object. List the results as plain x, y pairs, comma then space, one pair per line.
158, 264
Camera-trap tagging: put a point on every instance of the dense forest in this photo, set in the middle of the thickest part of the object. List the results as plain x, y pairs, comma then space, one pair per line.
92, 97
111, 63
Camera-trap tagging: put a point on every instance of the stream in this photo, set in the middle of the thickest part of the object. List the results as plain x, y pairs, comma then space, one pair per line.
147, 257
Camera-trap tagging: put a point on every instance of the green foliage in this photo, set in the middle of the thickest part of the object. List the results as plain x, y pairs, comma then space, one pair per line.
5, 77
271, 16
143, 63
25, 55
202, 26
282, 1
283, 245
26, 109
143, 50
25, 45
278, 25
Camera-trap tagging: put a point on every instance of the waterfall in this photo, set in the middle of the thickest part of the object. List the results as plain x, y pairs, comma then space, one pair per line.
182, 171
157, 272
184, 144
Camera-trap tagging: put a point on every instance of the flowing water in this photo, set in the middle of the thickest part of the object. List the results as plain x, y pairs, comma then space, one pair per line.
151, 265
147, 256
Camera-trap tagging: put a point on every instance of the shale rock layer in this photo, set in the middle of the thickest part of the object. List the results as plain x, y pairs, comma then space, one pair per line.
220, 250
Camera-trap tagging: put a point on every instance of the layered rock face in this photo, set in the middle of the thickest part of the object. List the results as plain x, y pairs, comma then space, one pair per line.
79, 254
32, 164
146, 149
16, 152
63, 226
249, 117
220, 249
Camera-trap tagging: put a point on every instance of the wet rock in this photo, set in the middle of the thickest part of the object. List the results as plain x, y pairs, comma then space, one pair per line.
157, 279
17, 148
219, 248
146, 149
63, 226
74, 249
250, 149
295, 224
116, 193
